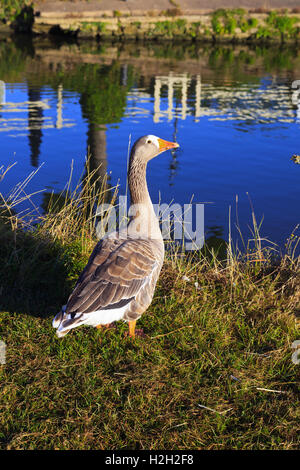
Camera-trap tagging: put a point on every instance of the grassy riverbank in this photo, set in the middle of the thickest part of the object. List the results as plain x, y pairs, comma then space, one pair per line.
215, 370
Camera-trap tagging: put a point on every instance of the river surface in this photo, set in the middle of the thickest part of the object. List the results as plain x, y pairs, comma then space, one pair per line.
232, 110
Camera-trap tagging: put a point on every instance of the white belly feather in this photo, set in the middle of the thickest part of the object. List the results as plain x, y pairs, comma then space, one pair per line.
100, 317
103, 317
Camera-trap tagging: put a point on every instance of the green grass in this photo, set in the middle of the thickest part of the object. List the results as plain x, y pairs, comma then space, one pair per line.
217, 332
92, 26
11, 9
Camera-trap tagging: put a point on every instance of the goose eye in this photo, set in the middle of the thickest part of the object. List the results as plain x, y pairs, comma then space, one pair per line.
148, 141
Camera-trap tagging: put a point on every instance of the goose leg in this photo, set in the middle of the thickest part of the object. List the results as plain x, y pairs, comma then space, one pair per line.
132, 328
133, 332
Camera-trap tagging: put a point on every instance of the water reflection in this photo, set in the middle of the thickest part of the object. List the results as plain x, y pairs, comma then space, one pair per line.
73, 97
59, 107
104, 91
35, 123
2, 93
96, 140
172, 82
36, 106
264, 102
215, 243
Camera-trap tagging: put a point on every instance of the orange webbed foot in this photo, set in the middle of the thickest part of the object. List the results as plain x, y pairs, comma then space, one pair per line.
108, 326
133, 332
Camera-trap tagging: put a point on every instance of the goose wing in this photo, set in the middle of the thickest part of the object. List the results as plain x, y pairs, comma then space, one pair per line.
115, 273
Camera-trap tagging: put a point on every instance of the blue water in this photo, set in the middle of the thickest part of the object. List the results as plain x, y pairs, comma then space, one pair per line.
236, 134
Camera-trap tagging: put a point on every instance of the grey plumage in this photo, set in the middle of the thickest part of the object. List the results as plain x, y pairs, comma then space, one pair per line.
119, 279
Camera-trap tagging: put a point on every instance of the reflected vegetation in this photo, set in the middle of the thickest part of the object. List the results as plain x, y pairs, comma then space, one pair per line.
106, 78
215, 243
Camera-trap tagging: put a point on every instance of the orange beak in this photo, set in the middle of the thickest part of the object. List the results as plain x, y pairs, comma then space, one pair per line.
165, 145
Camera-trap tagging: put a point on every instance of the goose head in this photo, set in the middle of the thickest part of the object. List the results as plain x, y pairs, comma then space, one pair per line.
149, 146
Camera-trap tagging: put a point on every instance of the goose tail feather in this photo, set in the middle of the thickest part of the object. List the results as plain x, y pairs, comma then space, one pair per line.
58, 317
63, 323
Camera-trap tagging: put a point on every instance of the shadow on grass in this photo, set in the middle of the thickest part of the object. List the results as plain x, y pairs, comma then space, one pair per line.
36, 274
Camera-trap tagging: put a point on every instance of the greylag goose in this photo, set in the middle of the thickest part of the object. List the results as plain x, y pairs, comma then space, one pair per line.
119, 279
